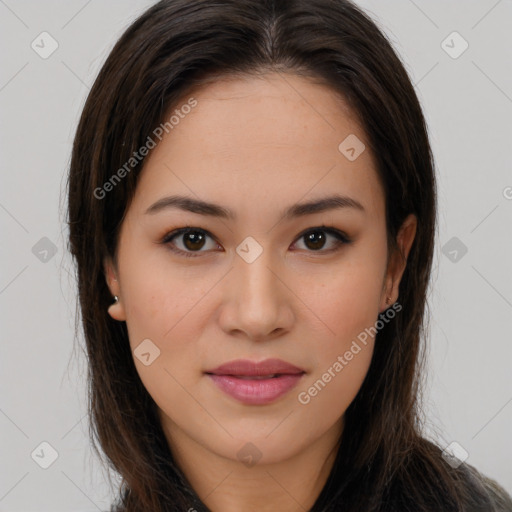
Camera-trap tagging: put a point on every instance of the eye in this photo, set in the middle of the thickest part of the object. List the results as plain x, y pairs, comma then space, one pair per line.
315, 238
192, 240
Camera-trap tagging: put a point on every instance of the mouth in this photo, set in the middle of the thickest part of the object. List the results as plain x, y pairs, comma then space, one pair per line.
254, 377
256, 383
268, 368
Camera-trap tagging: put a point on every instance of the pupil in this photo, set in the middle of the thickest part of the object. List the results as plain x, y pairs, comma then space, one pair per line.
193, 237
317, 238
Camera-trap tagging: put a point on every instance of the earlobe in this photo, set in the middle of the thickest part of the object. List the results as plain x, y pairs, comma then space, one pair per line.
116, 309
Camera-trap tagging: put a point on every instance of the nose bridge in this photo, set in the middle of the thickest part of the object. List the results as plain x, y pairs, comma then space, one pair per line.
253, 275
258, 304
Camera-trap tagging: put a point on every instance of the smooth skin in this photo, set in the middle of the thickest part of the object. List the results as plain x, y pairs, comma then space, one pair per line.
256, 146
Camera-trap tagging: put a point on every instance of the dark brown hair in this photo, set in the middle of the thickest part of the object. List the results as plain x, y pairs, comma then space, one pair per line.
385, 463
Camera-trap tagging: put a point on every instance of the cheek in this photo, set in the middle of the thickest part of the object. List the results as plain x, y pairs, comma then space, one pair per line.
348, 305
159, 296
349, 300
342, 362
167, 305
166, 308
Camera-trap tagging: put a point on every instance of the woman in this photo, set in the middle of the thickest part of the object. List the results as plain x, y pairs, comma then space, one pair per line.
252, 211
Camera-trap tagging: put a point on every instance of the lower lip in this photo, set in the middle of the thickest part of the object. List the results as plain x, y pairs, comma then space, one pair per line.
256, 392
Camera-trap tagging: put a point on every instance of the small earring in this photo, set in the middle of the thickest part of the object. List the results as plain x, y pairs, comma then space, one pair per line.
388, 300
116, 299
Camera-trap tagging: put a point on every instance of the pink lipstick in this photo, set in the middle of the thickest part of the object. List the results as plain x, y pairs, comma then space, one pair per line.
256, 383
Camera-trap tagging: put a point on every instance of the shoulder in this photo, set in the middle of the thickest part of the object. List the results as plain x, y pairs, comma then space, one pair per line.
425, 481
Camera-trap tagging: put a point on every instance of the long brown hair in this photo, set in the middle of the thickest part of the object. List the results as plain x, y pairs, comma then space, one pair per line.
383, 463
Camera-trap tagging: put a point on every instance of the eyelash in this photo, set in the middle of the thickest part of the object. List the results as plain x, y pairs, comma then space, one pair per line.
341, 239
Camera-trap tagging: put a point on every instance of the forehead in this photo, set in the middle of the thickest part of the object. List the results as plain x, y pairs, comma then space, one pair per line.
278, 108
266, 137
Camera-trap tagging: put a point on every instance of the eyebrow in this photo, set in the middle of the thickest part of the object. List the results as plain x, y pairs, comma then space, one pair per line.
200, 207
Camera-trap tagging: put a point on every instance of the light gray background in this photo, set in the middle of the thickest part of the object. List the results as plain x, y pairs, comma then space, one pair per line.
468, 104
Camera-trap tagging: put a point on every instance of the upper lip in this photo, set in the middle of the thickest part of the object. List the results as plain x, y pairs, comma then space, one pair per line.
246, 367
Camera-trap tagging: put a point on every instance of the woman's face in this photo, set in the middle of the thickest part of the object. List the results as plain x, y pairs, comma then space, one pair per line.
256, 277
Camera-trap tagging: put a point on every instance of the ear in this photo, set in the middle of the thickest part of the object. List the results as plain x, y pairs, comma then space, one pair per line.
398, 261
115, 310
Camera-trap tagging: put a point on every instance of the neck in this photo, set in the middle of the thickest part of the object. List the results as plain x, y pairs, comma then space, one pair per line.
229, 485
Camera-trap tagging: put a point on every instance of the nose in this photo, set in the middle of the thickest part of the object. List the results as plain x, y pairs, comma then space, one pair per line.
257, 303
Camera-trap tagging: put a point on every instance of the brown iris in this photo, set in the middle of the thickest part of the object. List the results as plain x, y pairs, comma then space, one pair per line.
193, 240
316, 239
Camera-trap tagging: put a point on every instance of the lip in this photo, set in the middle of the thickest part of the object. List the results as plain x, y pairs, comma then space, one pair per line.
234, 379
248, 368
